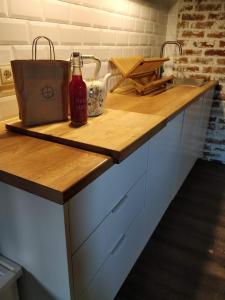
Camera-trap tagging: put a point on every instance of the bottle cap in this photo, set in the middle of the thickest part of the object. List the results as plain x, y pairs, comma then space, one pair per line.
75, 54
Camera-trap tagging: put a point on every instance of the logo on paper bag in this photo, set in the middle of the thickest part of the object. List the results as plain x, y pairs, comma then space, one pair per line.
47, 92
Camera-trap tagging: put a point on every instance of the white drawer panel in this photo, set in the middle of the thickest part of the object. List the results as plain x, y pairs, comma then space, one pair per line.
89, 207
189, 149
114, 271
92, 254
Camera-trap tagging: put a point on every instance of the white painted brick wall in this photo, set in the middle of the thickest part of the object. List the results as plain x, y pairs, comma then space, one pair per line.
108, 37
100, 18
3, 8
56, 11
104, 28
128, 23
23, 9
80, 15
122, 38
171, 35
140, 25
43, 28
70, 35
6, 54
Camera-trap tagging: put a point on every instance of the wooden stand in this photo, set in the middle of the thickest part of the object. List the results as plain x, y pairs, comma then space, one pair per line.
144, 73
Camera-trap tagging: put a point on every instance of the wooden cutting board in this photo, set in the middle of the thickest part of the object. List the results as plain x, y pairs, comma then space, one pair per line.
116, 133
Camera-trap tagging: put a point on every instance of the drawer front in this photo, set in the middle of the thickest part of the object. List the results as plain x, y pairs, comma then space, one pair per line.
162, 170
88, 208
190, 140
92, 254
115, 269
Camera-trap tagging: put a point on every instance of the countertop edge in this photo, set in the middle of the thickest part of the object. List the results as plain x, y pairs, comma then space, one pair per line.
54, 195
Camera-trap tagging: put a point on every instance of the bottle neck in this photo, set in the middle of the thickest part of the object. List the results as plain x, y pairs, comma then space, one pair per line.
76, 64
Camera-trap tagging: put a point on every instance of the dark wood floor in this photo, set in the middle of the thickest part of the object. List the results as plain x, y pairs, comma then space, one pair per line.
185, 257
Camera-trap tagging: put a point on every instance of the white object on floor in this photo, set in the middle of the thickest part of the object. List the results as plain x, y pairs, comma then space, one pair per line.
9, 273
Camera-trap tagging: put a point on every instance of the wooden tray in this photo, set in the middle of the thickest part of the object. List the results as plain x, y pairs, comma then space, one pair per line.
116, 133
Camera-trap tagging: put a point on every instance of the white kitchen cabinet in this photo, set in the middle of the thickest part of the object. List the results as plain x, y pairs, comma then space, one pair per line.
190, 140
105, 239
54, 243
88, 208
88, 246
113, 272
172, 154
32, 233
162, 171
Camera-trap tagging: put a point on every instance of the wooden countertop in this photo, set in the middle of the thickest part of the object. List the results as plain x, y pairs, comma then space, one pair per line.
47, 169
57, 172
116, 133
165, 105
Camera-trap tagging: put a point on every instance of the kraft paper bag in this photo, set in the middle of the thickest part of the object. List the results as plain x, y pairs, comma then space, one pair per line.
41, 88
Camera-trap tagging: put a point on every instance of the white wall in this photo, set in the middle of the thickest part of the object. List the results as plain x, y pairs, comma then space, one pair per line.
105, 28
171, 35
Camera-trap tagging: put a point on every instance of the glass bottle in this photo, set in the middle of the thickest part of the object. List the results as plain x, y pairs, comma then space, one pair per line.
78, 93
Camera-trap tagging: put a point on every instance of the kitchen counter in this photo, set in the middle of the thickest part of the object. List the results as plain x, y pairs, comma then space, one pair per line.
57, 172
89, 244
47, 169
166, 104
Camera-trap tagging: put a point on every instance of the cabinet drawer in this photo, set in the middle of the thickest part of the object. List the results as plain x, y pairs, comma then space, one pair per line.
92, 254
89, 207
115, 269
189, 149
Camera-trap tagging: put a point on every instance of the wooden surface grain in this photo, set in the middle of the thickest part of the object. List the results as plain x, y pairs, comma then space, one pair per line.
116, 133
47, 169
165, 105
57, 172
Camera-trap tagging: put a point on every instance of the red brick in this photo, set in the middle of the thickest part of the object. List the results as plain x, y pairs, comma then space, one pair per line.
208, 7
203, 45
221, 24
181, 60
189, 34
183, 24
202, 60
202, 25
222, 43
221, 61
192, 68
215, 52
193, 17
219, 16
218, 35
207, 70
219, 70
188, 7
192, 52
215, 141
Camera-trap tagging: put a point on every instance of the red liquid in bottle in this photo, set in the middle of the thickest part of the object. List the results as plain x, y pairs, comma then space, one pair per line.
78, 95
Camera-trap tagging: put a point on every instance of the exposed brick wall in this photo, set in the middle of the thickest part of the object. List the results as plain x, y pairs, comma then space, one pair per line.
201, 30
